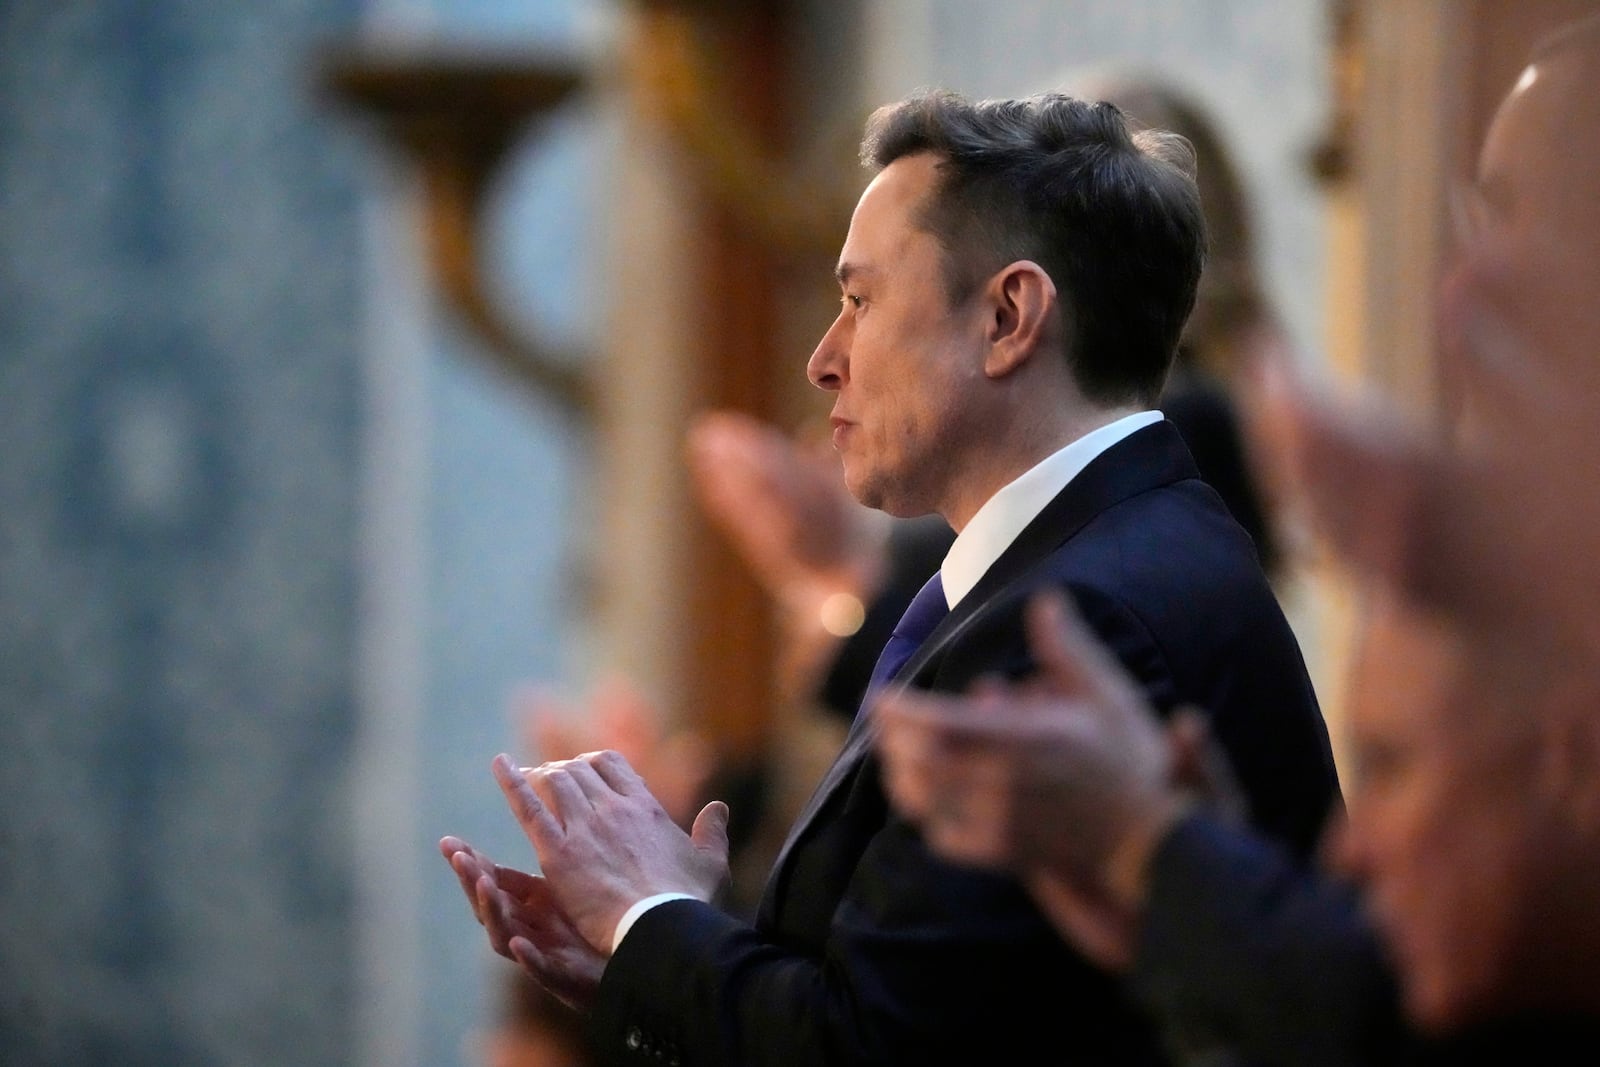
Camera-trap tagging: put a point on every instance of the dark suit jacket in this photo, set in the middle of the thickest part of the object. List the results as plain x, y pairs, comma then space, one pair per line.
866, 949
1246, 952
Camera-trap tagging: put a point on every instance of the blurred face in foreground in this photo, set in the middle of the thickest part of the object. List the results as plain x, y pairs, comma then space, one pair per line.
1474, 792
1443, 828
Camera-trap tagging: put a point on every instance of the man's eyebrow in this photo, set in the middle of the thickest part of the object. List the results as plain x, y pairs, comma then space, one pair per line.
845, 271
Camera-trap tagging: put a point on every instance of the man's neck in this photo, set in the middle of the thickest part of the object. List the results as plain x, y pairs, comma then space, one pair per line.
1028, 452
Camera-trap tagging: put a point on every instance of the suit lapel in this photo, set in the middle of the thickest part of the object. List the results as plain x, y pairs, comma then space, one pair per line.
1144, 460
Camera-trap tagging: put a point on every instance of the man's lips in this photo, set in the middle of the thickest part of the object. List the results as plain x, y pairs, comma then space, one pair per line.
841, 429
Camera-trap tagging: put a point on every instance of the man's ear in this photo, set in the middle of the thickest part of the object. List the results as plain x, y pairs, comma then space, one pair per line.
1022, 304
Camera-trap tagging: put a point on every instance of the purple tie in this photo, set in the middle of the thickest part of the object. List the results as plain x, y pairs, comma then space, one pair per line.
924, 613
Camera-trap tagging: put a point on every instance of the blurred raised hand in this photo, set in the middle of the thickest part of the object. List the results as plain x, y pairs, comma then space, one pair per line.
1491, 527
782, 503
676, 762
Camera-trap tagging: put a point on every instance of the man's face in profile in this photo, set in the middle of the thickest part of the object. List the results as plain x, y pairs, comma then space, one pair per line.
900, 359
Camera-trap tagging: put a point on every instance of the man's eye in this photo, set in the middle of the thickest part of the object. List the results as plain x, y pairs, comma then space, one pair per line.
853, 300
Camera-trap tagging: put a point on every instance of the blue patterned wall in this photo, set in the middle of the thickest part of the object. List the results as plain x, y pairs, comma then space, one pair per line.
178, 411
186, 389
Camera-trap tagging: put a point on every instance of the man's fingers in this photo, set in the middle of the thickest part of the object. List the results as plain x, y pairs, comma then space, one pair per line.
451, 847
921, 707
569, 785
908, 738
465, 862
573, 984
614, 770
467, 869
528, 888
468, 876
537, 821
1200, 766
710, 830
955, 842
929, 720
527, 955
933, 750
970, 816
494, 915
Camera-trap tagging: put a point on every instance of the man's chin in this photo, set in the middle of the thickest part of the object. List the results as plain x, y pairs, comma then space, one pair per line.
867, 491
876, 493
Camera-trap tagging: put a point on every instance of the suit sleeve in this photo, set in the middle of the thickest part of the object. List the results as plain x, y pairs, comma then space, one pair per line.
925, 964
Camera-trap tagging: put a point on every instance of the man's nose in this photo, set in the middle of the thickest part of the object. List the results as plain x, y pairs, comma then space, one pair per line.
828, 366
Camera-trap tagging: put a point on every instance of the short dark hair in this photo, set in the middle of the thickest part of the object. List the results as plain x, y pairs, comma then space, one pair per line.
1112, 215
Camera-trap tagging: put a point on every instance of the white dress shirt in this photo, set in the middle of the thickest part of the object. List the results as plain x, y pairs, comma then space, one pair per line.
1004, 515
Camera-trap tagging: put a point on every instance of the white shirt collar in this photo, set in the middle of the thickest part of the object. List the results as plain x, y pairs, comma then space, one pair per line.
1004, 515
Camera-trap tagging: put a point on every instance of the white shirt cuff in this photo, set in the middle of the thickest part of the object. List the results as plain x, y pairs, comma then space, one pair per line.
631, 916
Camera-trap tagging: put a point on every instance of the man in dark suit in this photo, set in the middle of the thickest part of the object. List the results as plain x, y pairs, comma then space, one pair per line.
1014, 282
